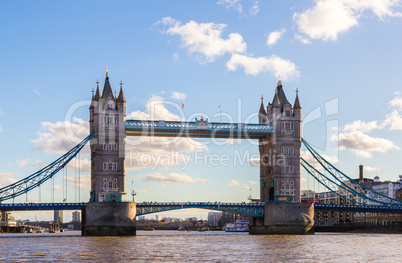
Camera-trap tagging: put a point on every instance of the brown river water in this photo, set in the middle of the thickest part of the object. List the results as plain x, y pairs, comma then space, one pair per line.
175, 246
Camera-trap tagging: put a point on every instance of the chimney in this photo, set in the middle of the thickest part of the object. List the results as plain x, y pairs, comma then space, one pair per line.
361, 179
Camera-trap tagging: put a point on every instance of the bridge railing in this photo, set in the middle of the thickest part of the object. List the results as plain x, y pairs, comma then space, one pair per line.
185, 125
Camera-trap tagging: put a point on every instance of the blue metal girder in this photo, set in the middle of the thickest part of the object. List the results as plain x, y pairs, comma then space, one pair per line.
252, 209
36, 179
196, 130
359, 208
41, 206
354, 188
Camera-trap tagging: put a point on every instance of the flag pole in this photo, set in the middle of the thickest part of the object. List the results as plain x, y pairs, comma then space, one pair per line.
220, 113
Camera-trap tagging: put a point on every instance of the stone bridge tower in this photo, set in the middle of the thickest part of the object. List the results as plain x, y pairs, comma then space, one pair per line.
280, 153
107, 214
280, 170
107, 119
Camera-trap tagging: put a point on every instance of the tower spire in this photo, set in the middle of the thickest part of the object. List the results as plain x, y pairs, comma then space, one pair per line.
97, 94
262, 107
296, 105
107, 73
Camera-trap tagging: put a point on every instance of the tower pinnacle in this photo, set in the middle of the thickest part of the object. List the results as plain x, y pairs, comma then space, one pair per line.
279, 81
106, 72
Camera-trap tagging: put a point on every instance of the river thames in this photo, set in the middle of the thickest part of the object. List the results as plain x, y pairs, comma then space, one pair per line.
175, 246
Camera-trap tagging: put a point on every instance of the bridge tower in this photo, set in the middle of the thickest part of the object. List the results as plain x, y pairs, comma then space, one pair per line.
107, 213
280, 169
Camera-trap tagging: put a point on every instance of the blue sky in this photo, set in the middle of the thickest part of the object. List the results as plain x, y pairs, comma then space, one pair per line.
343, 54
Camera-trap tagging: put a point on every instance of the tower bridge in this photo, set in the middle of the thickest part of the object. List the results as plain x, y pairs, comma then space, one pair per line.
278, 132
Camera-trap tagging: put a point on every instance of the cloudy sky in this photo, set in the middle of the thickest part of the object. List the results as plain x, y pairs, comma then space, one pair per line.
342, 55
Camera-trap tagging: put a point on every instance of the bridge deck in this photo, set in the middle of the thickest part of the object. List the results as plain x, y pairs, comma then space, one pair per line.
252, 209
197, 129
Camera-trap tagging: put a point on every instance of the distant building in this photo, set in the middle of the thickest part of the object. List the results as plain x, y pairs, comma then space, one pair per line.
158, 218
213, 218
58, 215
399, 194
76, 216
375, 220
141, 218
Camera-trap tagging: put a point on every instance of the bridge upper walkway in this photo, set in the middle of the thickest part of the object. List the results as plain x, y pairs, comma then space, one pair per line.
197, 129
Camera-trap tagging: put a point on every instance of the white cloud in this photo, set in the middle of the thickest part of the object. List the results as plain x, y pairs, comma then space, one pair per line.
84, 165
232, 4
274, 65
233, 182
306, 155
254, 9
394, 120
172, 177
56, 188
156, 109
273, 37
55, 138
362, 144
5, 175
302, 39
84, 181
397, 101
370, 169
6, 178
29, 162
239, 6
23, 163
141, 191
252, 182
204, 39
244, 186
329, 18
361, 126
178, 95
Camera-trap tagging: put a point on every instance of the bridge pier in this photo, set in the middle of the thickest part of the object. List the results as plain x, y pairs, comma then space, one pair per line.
109, 219
284, 218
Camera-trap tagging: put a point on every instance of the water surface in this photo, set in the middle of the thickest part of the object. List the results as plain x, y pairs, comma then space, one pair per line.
175, 246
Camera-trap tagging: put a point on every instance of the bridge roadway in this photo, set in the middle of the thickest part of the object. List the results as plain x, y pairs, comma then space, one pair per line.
197, 129
252, 209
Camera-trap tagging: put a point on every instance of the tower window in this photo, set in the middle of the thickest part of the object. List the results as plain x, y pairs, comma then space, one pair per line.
292, 150
115, 146
115, 183
104, 147
287, 113
110, 147
104, 166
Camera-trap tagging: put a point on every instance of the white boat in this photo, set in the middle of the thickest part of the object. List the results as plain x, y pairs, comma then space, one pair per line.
238, 226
